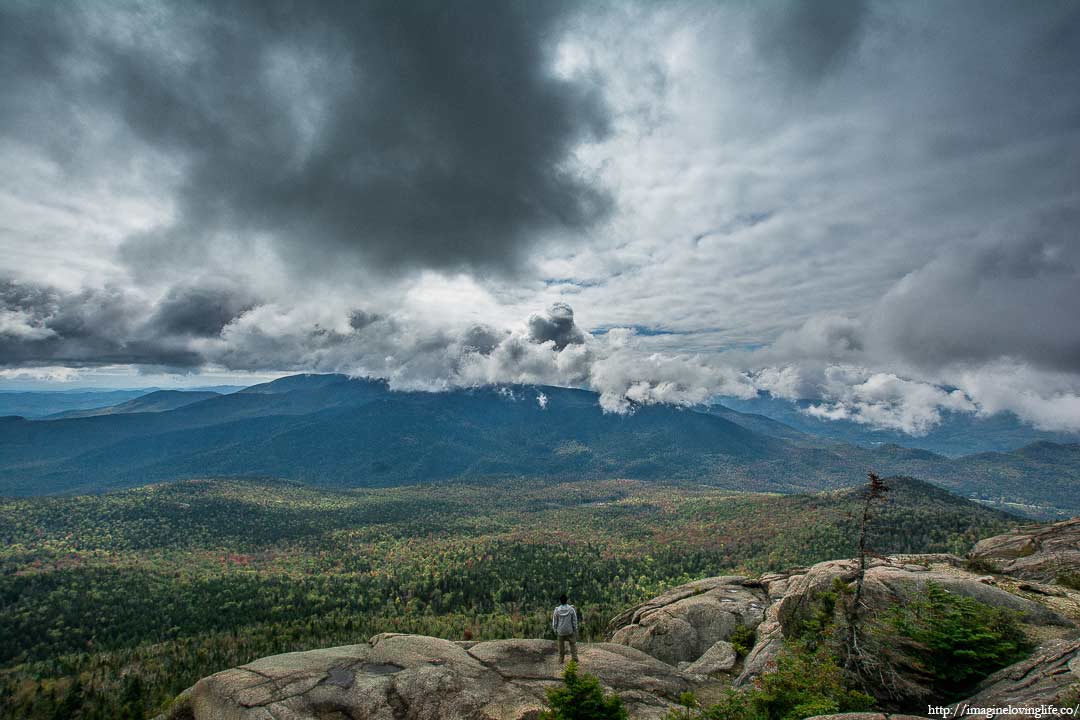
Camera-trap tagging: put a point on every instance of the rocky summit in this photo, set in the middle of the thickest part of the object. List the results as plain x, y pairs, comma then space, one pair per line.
397, 676
676, 642
1042, 553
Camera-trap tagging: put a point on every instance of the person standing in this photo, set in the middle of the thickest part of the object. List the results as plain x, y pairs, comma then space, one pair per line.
564, 621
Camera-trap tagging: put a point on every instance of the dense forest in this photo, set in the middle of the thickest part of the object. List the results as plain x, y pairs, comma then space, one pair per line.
111, 604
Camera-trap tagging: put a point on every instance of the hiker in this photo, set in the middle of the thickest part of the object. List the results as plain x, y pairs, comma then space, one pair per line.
564, 621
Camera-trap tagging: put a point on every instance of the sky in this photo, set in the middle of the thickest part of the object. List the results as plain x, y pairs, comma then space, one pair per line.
870, 205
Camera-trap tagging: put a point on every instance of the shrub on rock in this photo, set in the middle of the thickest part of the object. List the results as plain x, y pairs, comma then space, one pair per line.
957, 640
582, 698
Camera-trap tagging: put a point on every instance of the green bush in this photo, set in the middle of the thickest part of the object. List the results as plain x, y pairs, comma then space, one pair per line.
688, 708
742, 639
957, 640
820, 624
806, 683
581, 698
734, 705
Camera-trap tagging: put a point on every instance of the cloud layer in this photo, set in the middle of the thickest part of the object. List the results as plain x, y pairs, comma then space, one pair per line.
391, 134
866, 204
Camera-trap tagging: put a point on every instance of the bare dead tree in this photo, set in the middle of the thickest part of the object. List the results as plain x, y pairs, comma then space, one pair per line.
873, 491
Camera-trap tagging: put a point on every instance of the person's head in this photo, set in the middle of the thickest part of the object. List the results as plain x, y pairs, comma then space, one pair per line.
562, 599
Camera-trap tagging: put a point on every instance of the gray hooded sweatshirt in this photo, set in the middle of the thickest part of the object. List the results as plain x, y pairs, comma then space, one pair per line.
564, 620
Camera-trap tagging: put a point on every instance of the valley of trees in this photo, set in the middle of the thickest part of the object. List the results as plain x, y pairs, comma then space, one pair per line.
112, 604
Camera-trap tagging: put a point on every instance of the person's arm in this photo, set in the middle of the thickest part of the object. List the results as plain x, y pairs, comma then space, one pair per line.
554, 620
577, 619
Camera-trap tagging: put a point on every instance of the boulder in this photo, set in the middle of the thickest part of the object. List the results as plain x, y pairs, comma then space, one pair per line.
888, 584
685, 622
1040, 553
767, 646
423, 678
1049, 676
618, 667
720, 658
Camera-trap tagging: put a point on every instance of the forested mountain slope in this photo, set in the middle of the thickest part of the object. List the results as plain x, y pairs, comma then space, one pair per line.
337, 431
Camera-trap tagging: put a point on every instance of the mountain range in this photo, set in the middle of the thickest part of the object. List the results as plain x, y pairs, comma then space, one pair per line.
956, 434
156, 401
35, 404
336, 431
46, 403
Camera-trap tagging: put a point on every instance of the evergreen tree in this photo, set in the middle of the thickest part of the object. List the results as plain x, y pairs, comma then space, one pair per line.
70, 703
581, 698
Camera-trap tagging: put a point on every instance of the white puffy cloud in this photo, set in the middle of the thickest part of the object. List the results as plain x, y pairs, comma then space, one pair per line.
783, 382
1048, 400
625, 375
822, 337
884, 400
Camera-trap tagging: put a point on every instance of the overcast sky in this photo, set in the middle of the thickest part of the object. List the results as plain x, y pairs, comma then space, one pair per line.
874, 205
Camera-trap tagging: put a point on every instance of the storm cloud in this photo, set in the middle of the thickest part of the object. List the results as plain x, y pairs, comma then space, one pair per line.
387, 134
807, 40
201, 310
1011, 295
42, 324
557, 326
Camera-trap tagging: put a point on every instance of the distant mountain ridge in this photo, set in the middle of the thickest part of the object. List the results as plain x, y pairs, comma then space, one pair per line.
337, 431
31, 404
957, 434
157, 401
42, 403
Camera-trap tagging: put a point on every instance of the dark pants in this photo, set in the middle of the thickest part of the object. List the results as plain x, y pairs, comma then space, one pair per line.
563, 639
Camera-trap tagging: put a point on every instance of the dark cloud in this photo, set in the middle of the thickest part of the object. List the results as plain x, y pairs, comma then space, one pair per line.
43, 325
556, 325
360, 319
25, 297
199, 311
415, 134
213, 323
1010, 296
482, 339
808, 39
